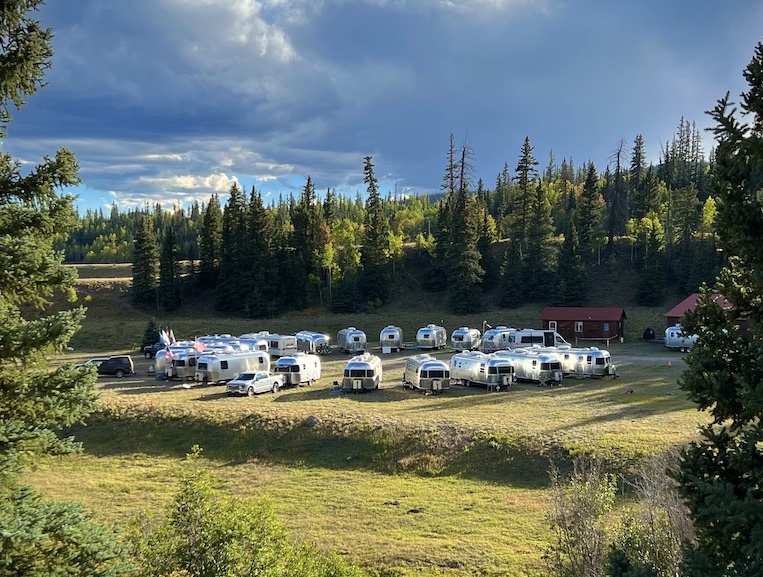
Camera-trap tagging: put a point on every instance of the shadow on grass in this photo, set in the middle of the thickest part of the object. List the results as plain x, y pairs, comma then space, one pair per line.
385, 448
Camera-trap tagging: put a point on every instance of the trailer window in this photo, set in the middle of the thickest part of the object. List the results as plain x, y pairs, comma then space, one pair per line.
294, 368
507, 370
600, 361
438, 374
545, 366
202, 366
223, 365
458, 338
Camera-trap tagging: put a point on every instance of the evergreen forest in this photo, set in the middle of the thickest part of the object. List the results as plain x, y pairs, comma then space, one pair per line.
545, 227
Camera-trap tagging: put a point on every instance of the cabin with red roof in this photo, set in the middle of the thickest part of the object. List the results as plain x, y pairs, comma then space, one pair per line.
673, 316
585, 323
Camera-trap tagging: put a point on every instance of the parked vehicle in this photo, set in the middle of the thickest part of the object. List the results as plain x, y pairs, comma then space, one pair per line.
466, 339
90, 362
362, 373
117, 366
535, 366
221, 368
311, 342
282, 345
253, 344
351, 340
424, 372
583, 362
252, 382
164, 358
523, 338
149, 351
475, 368
494, 338
391, 337
677, 339
431, 337
182, 366
299, 368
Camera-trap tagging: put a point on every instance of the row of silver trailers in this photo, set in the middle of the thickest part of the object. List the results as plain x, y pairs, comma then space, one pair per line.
501, 369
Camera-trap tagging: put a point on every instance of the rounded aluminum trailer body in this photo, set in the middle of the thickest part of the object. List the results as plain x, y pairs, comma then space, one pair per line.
362, 373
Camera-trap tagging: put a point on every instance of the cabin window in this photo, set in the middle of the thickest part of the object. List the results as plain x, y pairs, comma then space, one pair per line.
605, 327
552, 325
223, 365
578, 326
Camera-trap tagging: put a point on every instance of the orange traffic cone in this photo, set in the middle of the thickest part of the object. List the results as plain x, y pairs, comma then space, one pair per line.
670, 364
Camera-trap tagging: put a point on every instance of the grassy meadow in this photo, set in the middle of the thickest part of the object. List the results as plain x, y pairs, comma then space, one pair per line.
400, 482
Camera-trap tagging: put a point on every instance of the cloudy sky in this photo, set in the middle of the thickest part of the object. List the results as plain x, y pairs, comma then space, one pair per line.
172, 100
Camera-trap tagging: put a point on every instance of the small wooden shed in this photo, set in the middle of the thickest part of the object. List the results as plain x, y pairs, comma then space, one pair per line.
577, 324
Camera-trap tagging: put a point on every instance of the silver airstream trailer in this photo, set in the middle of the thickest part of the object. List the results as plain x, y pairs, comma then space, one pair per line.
362, 373
312, 342
493, 338
465, 339
163, 360
299, 368
426, 373
584, 362
676, 339
476, 368
282, 345
391, 337
535, 366
351, 340
431, 337
220, 368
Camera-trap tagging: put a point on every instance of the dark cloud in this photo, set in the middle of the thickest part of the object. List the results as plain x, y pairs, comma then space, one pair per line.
176, 99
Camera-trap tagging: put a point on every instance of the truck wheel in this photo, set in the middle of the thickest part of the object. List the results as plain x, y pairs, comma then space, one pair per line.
250, 392
148, 355
119, 373
276, 387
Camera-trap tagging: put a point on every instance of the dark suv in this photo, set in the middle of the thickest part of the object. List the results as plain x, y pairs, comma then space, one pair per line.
149, 351
117, 366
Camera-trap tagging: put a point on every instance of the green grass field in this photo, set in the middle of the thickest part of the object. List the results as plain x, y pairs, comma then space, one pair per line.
400, 482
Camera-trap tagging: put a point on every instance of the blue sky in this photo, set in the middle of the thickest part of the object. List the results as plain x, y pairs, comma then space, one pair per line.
172, 100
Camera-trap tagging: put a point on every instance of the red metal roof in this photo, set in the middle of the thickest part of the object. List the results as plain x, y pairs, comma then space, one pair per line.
691, 301
582, 314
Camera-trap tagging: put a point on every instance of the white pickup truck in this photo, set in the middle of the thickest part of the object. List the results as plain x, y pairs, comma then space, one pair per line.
253, 382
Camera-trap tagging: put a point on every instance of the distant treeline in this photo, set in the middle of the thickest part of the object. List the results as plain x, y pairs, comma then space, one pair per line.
554, 223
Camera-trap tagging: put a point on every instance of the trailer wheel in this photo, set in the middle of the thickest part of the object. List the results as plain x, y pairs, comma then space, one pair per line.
684, 349
276, 387
250, 392
311, 382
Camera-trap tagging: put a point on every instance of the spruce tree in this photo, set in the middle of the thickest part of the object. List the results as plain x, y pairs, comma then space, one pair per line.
570, 288
374, 282
263, 287
540, 256
232, 275
37, 401
464, 271
526, 173
720, 475
145, 265
589, 212
169, 273
210, 241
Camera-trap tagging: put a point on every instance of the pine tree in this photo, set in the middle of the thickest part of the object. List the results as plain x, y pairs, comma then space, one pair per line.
486, 238
570, 289
512, 277
720, 475
589, 212
464, 270
145, 267
263, 286
210, 243
540, 257
37, 401
523, 195
233, 269
374, 281
169, 273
